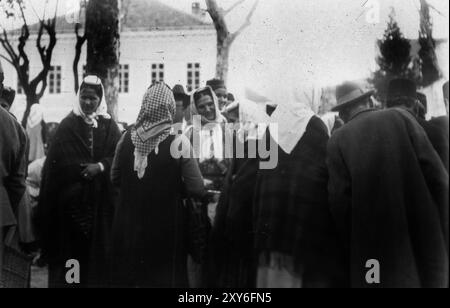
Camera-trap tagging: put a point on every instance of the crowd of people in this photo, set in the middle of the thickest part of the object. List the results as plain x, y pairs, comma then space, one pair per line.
167, 202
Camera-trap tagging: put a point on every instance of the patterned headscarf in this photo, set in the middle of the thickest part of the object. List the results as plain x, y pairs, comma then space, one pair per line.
153, 125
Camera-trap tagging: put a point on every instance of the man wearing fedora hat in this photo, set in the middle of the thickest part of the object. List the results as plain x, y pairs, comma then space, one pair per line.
351, 100
403, 93
388, 193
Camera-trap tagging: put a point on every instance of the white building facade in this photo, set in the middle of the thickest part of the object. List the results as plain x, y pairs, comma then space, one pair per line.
183, 55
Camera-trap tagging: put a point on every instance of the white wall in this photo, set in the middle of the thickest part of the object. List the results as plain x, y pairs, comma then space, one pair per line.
174, 48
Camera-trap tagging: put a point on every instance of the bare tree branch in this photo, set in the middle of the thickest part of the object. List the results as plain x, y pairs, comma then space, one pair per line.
124, 12
217, 17
25, 34
237, 3
8, 47
45, 54
247, 22
39, 41
224, 37
20, 60
22, 13
81, 39
6, 59
436, 10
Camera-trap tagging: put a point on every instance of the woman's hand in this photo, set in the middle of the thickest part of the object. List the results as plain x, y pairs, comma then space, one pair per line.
90, 171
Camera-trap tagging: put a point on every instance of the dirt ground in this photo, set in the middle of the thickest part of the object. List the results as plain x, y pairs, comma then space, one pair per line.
39, 277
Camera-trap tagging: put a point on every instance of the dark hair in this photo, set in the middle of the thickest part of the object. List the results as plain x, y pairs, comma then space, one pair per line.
231, 97
8, 95
270, 109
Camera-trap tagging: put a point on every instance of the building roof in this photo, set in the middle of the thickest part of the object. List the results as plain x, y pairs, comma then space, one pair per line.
152, 14
141, 15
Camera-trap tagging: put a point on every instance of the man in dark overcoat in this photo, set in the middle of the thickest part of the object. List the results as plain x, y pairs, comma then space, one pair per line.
403, 93
13, 145
388, 193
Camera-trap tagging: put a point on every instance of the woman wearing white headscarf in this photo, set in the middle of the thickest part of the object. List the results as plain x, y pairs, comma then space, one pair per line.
207, 134
210, 148
149, 236
75, 209
294, 233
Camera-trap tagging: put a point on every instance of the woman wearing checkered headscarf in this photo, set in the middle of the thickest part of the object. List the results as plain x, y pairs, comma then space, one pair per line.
153, 124
149, 247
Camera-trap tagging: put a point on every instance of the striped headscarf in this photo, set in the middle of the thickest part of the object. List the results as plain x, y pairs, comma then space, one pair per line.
153, 125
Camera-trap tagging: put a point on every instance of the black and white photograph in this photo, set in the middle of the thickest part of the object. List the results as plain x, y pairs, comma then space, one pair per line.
224, 149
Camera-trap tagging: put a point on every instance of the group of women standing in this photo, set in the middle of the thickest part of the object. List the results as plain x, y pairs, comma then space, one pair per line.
113, 201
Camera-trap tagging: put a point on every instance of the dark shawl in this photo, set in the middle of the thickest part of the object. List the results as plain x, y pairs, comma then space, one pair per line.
291, 209
389, 197
74, 216
149, 233
232, 259
438, 132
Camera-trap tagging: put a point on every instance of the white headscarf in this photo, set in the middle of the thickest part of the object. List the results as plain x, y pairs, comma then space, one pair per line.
253, 120
36, 116
219, 117
102, 109
329, 119
208, 141
291, 117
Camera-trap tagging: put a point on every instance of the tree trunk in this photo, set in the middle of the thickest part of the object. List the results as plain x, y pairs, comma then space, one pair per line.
78, 49
111, 84
31, 100
224, 38
223, 55
429, 65
103, 36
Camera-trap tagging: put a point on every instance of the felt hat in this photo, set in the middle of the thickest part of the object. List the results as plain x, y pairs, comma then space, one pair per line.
348, 94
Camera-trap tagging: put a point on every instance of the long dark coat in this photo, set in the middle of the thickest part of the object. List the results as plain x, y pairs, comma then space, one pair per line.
13, 167
389, 196
232, 260
438, 132
291, 210
74, 215
149, 236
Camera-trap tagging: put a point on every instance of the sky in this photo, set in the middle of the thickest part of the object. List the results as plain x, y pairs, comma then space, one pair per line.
310, 42
316, 42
